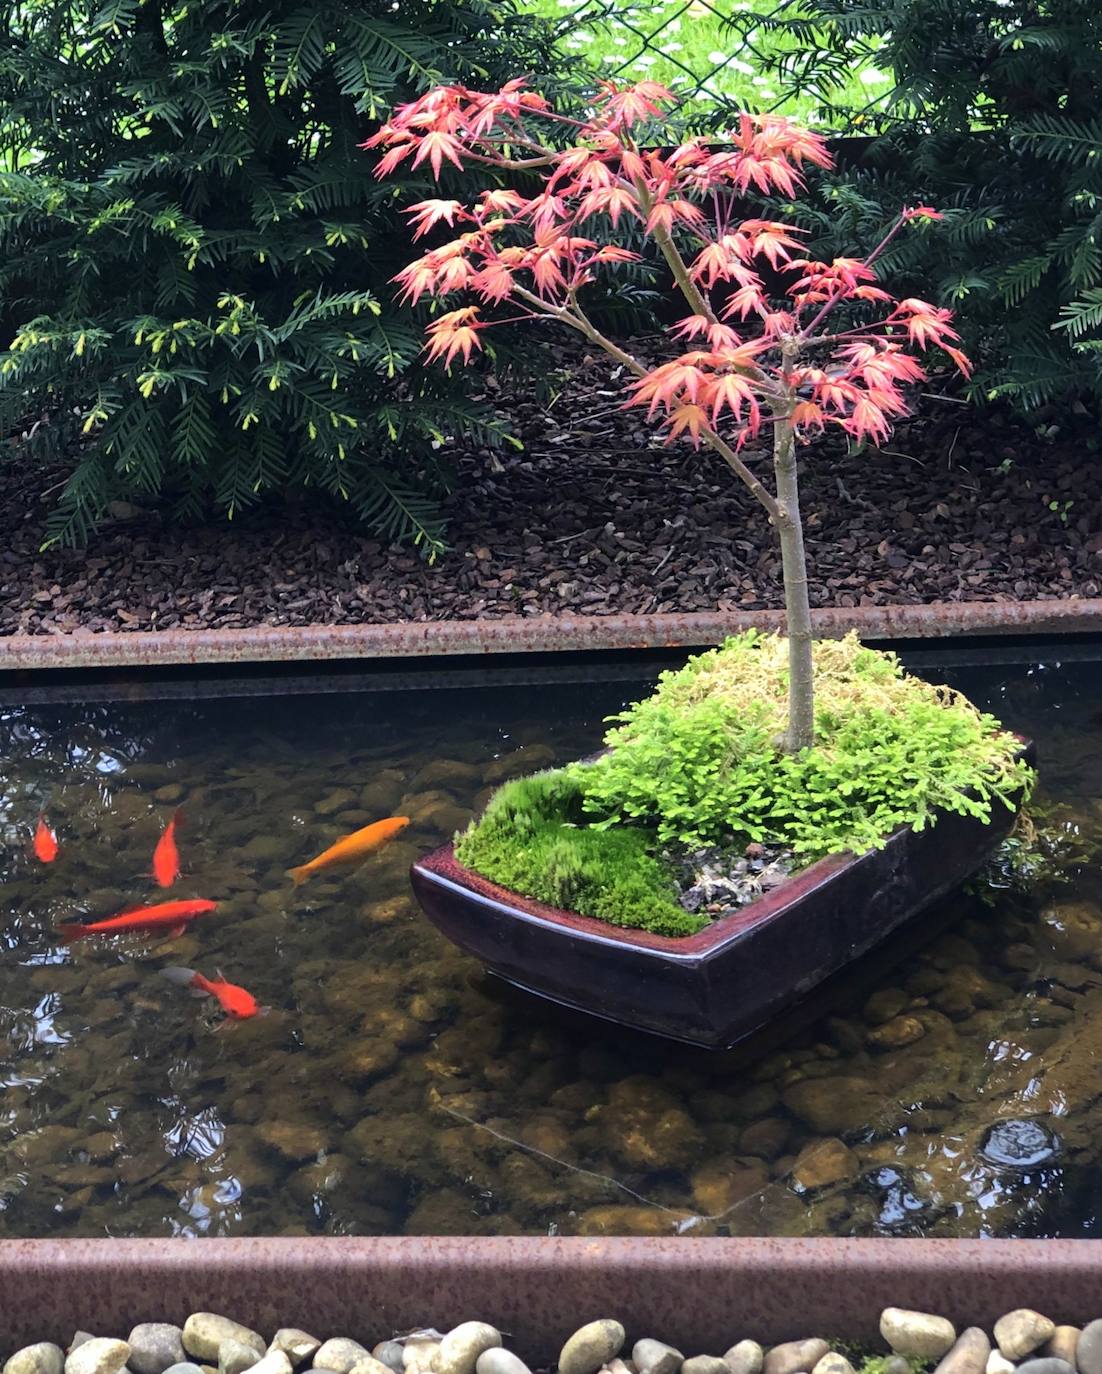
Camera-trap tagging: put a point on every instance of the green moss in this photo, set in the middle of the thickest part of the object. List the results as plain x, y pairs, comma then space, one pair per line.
699, 762
874, 1364
533, 839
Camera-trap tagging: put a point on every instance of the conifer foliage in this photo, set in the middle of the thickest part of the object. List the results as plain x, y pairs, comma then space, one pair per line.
193, 252
994, 115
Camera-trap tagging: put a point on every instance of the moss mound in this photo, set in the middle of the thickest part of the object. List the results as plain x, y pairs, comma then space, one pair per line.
700, 762
532, 838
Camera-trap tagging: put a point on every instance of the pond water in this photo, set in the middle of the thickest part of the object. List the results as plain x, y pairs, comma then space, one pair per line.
954, 1089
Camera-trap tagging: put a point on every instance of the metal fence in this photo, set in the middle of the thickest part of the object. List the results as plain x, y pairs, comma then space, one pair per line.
702, 49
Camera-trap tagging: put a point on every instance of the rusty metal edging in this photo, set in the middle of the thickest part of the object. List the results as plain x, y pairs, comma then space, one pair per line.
536, 634
700, 1294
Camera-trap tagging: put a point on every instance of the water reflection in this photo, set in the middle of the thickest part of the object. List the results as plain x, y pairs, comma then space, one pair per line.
394, 1088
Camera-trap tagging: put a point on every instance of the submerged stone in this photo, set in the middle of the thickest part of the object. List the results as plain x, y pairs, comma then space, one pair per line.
1020, 1144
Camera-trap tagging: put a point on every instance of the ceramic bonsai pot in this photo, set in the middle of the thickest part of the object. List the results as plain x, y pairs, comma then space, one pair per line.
719, 985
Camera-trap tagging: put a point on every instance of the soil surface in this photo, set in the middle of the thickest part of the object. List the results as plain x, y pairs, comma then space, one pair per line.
596, 516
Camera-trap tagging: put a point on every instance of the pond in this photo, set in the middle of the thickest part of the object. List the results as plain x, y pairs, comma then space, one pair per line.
951, 1087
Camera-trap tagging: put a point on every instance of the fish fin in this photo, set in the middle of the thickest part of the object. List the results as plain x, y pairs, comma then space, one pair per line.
182, 977
299, 875
174, 932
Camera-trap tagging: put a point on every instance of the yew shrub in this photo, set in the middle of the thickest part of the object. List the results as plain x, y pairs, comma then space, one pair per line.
829, 347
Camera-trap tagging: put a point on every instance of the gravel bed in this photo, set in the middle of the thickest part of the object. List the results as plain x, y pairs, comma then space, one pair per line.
594, 517
1023, 1340
719, 879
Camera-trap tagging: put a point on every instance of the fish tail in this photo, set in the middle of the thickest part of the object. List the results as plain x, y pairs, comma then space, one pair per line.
70, 934
300, 874
182, 977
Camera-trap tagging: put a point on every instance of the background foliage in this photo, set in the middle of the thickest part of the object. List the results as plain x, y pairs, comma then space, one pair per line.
194, 257
992, 116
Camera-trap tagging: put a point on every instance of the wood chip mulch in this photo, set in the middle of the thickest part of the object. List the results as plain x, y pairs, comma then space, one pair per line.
596, 517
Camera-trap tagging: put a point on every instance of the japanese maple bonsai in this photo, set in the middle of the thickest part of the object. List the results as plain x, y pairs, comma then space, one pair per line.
827, 347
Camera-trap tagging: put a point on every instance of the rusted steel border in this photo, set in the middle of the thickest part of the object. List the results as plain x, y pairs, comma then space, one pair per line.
700, 1294
536, 634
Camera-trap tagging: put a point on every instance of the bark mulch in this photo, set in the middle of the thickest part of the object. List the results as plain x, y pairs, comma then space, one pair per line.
596, 517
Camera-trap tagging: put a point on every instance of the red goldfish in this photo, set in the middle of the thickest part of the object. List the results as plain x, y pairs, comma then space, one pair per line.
166, 858
352, 848
237, 1003
45, 842
171, 917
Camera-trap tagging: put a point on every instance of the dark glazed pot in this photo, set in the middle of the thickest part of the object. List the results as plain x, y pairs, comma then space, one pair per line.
717, 986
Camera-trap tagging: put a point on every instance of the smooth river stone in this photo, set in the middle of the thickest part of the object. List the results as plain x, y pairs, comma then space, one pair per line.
655, 1357
390, 1354
235, 1358
274, 1362
155, 1347
1064, 1345
1022, 1331
745, 1357
997, 1363
968, 1355
461, 1346
704, 1364
1088, 1355
1046, 1364
339, 1354
100, 1355
296, 1345
42, 1358
500, 1361
919, 1334
204, 1333
591, 1346
833, 1363
795, 1357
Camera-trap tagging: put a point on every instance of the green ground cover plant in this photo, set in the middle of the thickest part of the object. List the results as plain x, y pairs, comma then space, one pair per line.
702, 761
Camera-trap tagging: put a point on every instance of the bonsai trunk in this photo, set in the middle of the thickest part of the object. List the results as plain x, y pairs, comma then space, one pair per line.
801, 718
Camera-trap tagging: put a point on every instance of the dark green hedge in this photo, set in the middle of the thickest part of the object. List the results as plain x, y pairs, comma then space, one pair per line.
194, 257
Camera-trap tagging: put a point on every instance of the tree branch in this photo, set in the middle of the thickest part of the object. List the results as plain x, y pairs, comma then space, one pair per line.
576, 318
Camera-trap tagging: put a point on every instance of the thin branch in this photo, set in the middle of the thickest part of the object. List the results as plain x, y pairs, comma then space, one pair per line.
576, 318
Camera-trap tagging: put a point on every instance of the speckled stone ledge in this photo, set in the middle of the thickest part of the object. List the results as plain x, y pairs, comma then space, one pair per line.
536, 634
698, 1293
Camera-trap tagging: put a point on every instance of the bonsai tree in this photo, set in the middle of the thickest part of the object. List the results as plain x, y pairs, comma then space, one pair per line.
777, 341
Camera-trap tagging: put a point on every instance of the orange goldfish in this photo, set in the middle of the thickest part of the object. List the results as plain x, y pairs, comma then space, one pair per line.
352, 848
45, 842
171, 917
237, 1003
166, 858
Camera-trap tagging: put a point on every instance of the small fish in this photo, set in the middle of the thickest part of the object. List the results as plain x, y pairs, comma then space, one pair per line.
352, 848
166, 857
236, 1002
45, 842
167, 916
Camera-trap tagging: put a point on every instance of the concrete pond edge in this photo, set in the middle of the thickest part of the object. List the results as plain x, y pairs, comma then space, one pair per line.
531, 635
698, 1294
